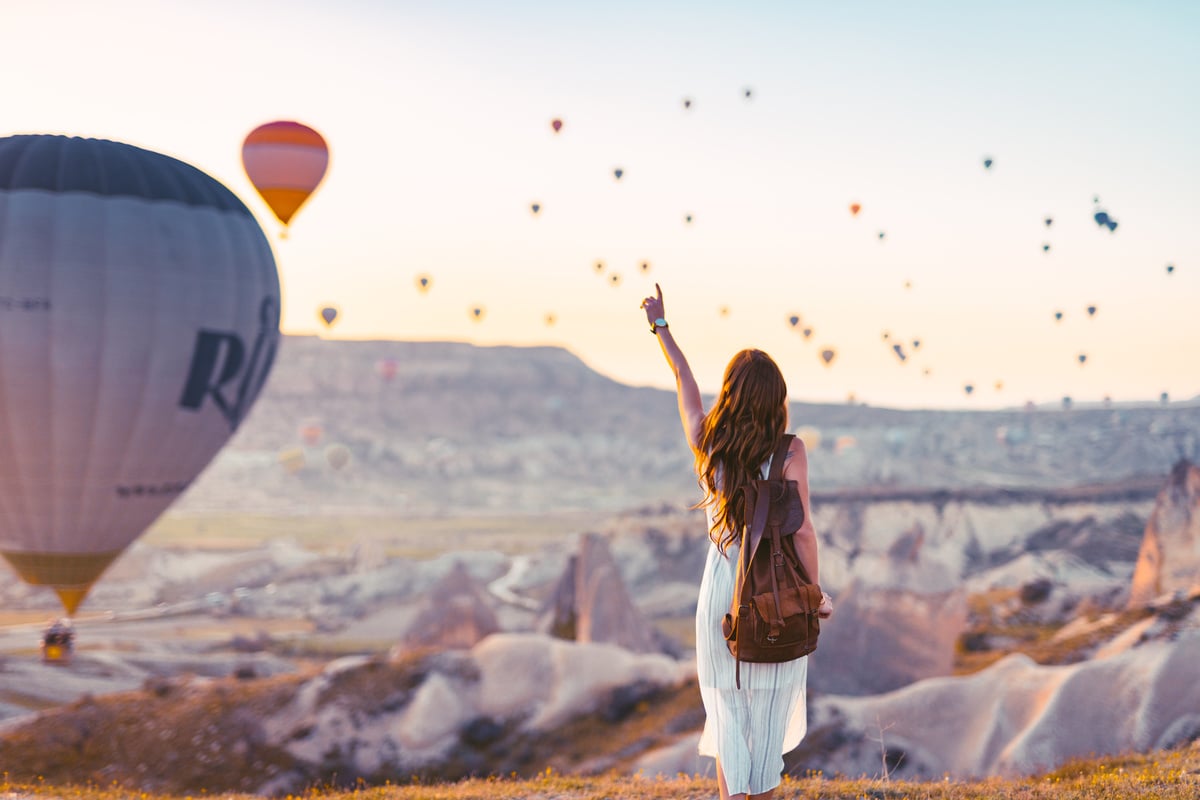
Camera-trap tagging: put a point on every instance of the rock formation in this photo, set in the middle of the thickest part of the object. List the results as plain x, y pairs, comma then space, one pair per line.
455, 614
591, 603
899, 604
361, 716
1014, 718
883, 638
1169, 560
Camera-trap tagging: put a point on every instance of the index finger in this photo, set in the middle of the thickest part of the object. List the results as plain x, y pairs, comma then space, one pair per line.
659, 290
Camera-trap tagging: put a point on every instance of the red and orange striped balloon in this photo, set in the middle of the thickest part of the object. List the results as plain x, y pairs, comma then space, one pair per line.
286, 162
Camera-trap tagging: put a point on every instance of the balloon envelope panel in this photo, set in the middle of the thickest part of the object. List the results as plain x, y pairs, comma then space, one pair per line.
139, 317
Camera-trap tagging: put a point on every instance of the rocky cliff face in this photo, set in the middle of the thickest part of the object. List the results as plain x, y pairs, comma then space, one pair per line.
1169, 559
473, 429
1014, 718
591, 603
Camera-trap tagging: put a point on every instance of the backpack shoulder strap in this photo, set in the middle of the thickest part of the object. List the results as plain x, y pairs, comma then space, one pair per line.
780, 456
756, 526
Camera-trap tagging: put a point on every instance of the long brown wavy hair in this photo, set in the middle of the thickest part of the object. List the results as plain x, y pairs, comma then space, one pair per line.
738, 435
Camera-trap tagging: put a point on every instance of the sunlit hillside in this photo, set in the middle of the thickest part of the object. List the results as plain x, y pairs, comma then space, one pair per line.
434, 427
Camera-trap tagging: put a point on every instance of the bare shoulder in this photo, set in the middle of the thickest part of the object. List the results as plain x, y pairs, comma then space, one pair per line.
796, 460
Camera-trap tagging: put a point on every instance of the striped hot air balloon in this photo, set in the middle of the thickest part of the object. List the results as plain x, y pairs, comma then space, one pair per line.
286, 162
139, 317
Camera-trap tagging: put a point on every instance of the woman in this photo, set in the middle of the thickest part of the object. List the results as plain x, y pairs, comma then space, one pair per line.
749, 729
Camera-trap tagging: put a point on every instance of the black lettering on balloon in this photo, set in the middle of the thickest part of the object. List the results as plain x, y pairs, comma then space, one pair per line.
24, 303
152, 489
218, 358
213, 348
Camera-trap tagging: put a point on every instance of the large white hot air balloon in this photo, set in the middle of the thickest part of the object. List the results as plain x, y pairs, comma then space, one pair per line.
139, 317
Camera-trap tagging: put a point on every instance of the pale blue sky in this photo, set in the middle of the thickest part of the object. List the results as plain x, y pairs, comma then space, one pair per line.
438, 118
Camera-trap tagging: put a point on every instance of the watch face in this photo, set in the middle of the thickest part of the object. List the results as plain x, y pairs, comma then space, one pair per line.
660, 323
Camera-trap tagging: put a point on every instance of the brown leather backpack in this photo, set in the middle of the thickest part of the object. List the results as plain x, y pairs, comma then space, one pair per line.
773, 616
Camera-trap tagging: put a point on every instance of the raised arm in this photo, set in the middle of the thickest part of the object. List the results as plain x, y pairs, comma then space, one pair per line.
691, 409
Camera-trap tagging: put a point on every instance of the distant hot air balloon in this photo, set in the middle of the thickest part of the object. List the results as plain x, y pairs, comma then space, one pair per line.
987, 163
908, 284
139, 321
927, 372
292, 460
614, 279
1045, 247
551, 319
1066, 403
1049, 221
724, 311
1082, 358
969, 389
644, 267
387, 368
1104, 220
881, 235
311, 432
688, 219
598, 266
1058, 315
536, 208
329, 315
556, 124
424, 283
899, 351
1170, 268
916, 344
807, 333
854, 209
1091, 311
827, 356
338, 455
794, 320
999, 386
1164, 398
477, 313
885, 335
618, 172
286, 162
747, 92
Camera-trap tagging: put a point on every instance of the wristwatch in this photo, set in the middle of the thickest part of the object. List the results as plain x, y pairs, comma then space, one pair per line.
658, 323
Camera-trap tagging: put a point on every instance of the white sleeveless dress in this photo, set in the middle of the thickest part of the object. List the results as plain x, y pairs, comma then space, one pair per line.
749, 729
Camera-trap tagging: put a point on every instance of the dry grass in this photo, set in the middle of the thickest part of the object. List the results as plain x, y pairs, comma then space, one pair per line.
1171, 775
184, 736
175, 735
1038, 639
